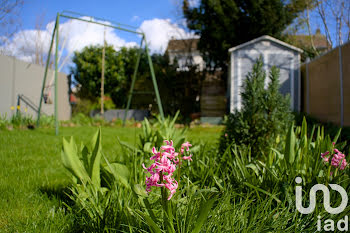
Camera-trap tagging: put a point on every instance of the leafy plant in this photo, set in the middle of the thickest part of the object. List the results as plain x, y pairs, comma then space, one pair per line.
299, 155
188, 212
95, 185
3, 122
302, 155
48, 121
264, 117
155, 134
19, 119
166, 163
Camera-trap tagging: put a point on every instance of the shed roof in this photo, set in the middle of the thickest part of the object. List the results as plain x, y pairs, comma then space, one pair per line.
266, 37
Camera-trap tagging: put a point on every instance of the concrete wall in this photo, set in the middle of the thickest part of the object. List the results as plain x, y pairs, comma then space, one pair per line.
22, 78
322, 86
273, 54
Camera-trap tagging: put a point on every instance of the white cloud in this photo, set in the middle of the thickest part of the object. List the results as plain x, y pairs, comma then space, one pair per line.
74, 36
26, 43
159, 31
80, 34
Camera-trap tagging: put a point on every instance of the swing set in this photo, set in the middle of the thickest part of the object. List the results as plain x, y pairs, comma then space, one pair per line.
117, 26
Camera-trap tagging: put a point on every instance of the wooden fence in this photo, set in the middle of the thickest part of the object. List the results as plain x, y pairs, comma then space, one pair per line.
326, 86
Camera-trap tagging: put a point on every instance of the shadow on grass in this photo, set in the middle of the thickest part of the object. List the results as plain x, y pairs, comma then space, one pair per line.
60, 192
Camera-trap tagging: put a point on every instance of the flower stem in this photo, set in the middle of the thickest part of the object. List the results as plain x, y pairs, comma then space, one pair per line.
167, 217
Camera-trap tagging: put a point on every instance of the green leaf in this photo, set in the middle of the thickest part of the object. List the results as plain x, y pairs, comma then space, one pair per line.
290, 146
175, 117
151, 224
279, 155
254, 168
139, 190
95, 159
128, 146
120, 172
203, 214
147, 147
71, 160
337, 136
263, 191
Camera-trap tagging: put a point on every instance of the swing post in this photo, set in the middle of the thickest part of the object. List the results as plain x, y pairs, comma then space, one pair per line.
45, 74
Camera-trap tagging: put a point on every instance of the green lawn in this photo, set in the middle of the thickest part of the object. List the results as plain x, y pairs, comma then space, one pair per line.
33, 180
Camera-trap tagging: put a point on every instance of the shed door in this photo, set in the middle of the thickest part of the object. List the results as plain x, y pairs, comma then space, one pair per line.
285, 64
243, 66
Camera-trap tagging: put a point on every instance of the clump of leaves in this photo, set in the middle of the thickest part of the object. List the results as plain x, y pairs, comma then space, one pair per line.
155, 134
96, 187
265, 114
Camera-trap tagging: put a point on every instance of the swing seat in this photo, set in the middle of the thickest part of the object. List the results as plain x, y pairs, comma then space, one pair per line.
47, 99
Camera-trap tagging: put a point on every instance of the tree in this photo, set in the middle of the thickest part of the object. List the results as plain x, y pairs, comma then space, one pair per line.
223, 24
9, 20
178, 90
335, 14
87, 72
265, 114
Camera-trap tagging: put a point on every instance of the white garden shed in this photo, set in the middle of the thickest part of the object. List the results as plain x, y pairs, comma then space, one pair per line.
273, 53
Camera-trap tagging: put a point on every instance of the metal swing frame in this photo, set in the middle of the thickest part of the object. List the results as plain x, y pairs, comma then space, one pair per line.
114, 25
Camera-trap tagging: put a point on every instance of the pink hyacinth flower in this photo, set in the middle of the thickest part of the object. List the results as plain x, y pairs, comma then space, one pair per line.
187, 157
163, 167
168, 149
343, 164
150, 169
169, 143
156, 156
172, 188
184, 146
324, 154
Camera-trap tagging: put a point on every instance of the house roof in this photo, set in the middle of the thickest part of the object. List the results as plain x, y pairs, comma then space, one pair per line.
185, 45
319, 40
266, 37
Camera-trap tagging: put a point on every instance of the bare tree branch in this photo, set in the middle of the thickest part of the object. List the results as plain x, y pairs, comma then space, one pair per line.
9, 19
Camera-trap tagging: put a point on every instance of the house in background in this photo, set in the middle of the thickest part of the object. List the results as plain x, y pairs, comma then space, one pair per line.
273, 53
23, 81
186, 53
318, 40
212, 95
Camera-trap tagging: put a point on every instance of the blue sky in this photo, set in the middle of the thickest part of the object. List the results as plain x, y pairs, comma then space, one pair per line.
160, 20
131, 12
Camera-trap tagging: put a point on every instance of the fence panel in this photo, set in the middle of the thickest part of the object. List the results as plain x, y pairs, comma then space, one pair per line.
321, 86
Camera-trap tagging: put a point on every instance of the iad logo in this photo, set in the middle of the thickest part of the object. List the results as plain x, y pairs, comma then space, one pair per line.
342, 224
326, 198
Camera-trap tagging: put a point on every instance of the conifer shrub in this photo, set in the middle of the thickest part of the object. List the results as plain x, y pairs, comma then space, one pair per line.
264, 117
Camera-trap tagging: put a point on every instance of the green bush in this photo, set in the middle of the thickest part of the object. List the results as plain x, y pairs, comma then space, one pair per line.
265, 114
19, 119
83, 106
107, 104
